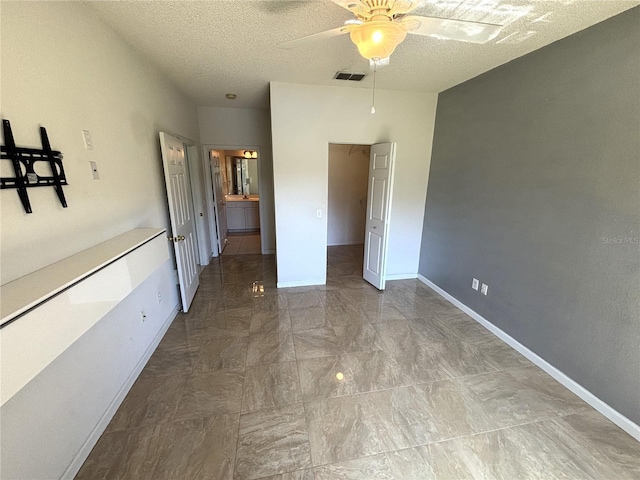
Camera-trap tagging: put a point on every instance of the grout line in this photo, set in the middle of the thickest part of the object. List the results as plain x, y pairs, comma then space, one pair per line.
304, 410
444, 440
244, 381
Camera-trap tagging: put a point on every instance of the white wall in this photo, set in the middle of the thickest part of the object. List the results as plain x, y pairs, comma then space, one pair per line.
306, 118
64, 69
251, 128
347, 192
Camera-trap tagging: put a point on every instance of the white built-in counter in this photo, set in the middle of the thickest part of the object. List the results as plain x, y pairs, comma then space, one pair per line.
29, 291
44, 312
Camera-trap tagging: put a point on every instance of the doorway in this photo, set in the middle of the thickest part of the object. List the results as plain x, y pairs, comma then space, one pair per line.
346, 211
233, 198
354, 218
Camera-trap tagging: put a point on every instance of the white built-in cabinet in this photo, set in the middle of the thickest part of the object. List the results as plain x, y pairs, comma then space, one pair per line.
243, 215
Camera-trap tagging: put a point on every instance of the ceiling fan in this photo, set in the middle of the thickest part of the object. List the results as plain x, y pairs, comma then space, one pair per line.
381, 25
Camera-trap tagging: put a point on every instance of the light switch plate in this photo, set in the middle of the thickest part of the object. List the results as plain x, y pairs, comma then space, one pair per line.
485, 289
88, 144
475, 284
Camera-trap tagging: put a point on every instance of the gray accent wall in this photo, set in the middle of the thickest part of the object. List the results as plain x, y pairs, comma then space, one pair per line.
534, 189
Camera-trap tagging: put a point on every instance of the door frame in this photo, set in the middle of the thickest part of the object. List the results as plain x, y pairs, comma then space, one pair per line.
211, 203
328, 185
209, 189
197, 202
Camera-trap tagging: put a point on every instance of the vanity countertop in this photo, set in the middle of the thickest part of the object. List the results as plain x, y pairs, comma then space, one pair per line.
240, 198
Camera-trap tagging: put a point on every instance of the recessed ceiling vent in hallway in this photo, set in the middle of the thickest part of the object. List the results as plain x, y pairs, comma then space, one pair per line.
356, 77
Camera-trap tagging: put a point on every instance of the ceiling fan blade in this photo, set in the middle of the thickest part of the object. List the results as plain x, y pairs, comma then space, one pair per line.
402, 7
346, 3
279, 6
449, 29
299, 42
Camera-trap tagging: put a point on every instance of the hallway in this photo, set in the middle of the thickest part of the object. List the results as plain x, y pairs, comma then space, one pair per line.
242, 244
344, 382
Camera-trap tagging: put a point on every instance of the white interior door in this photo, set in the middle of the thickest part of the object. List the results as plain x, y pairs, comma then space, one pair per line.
381, 165
181, 215
218, 200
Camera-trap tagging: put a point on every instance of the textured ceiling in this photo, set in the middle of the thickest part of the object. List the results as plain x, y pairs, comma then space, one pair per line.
210, 48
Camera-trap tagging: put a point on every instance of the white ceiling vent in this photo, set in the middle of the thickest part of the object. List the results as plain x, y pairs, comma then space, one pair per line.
356, 77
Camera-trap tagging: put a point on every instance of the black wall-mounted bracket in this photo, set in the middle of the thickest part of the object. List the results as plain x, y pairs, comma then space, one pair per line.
24, 159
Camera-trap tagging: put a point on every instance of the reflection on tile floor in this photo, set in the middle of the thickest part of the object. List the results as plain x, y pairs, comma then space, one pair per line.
344, 382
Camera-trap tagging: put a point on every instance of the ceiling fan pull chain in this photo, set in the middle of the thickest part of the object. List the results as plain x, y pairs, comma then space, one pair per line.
373, 99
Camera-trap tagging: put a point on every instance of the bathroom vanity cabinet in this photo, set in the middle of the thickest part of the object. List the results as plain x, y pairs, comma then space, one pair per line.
243, 215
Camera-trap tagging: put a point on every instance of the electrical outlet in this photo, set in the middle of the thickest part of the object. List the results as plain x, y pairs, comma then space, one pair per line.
94, 170
485, 289
143, 316
159, 297
475, 284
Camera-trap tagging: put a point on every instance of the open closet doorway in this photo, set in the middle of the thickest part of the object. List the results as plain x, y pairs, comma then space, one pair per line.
233, 199
346, 211
359, 203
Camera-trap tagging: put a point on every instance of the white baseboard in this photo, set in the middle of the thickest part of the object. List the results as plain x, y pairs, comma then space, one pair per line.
606, 410
302, 283
99, 429
401, 276
352, 242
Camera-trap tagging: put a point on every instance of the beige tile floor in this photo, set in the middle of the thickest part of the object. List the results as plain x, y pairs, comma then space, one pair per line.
246, 386
242, 244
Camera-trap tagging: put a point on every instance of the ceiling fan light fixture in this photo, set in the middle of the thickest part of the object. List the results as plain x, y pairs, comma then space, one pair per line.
377, 38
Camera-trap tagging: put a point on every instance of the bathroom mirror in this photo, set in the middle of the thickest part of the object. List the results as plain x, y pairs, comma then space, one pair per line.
243, 175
